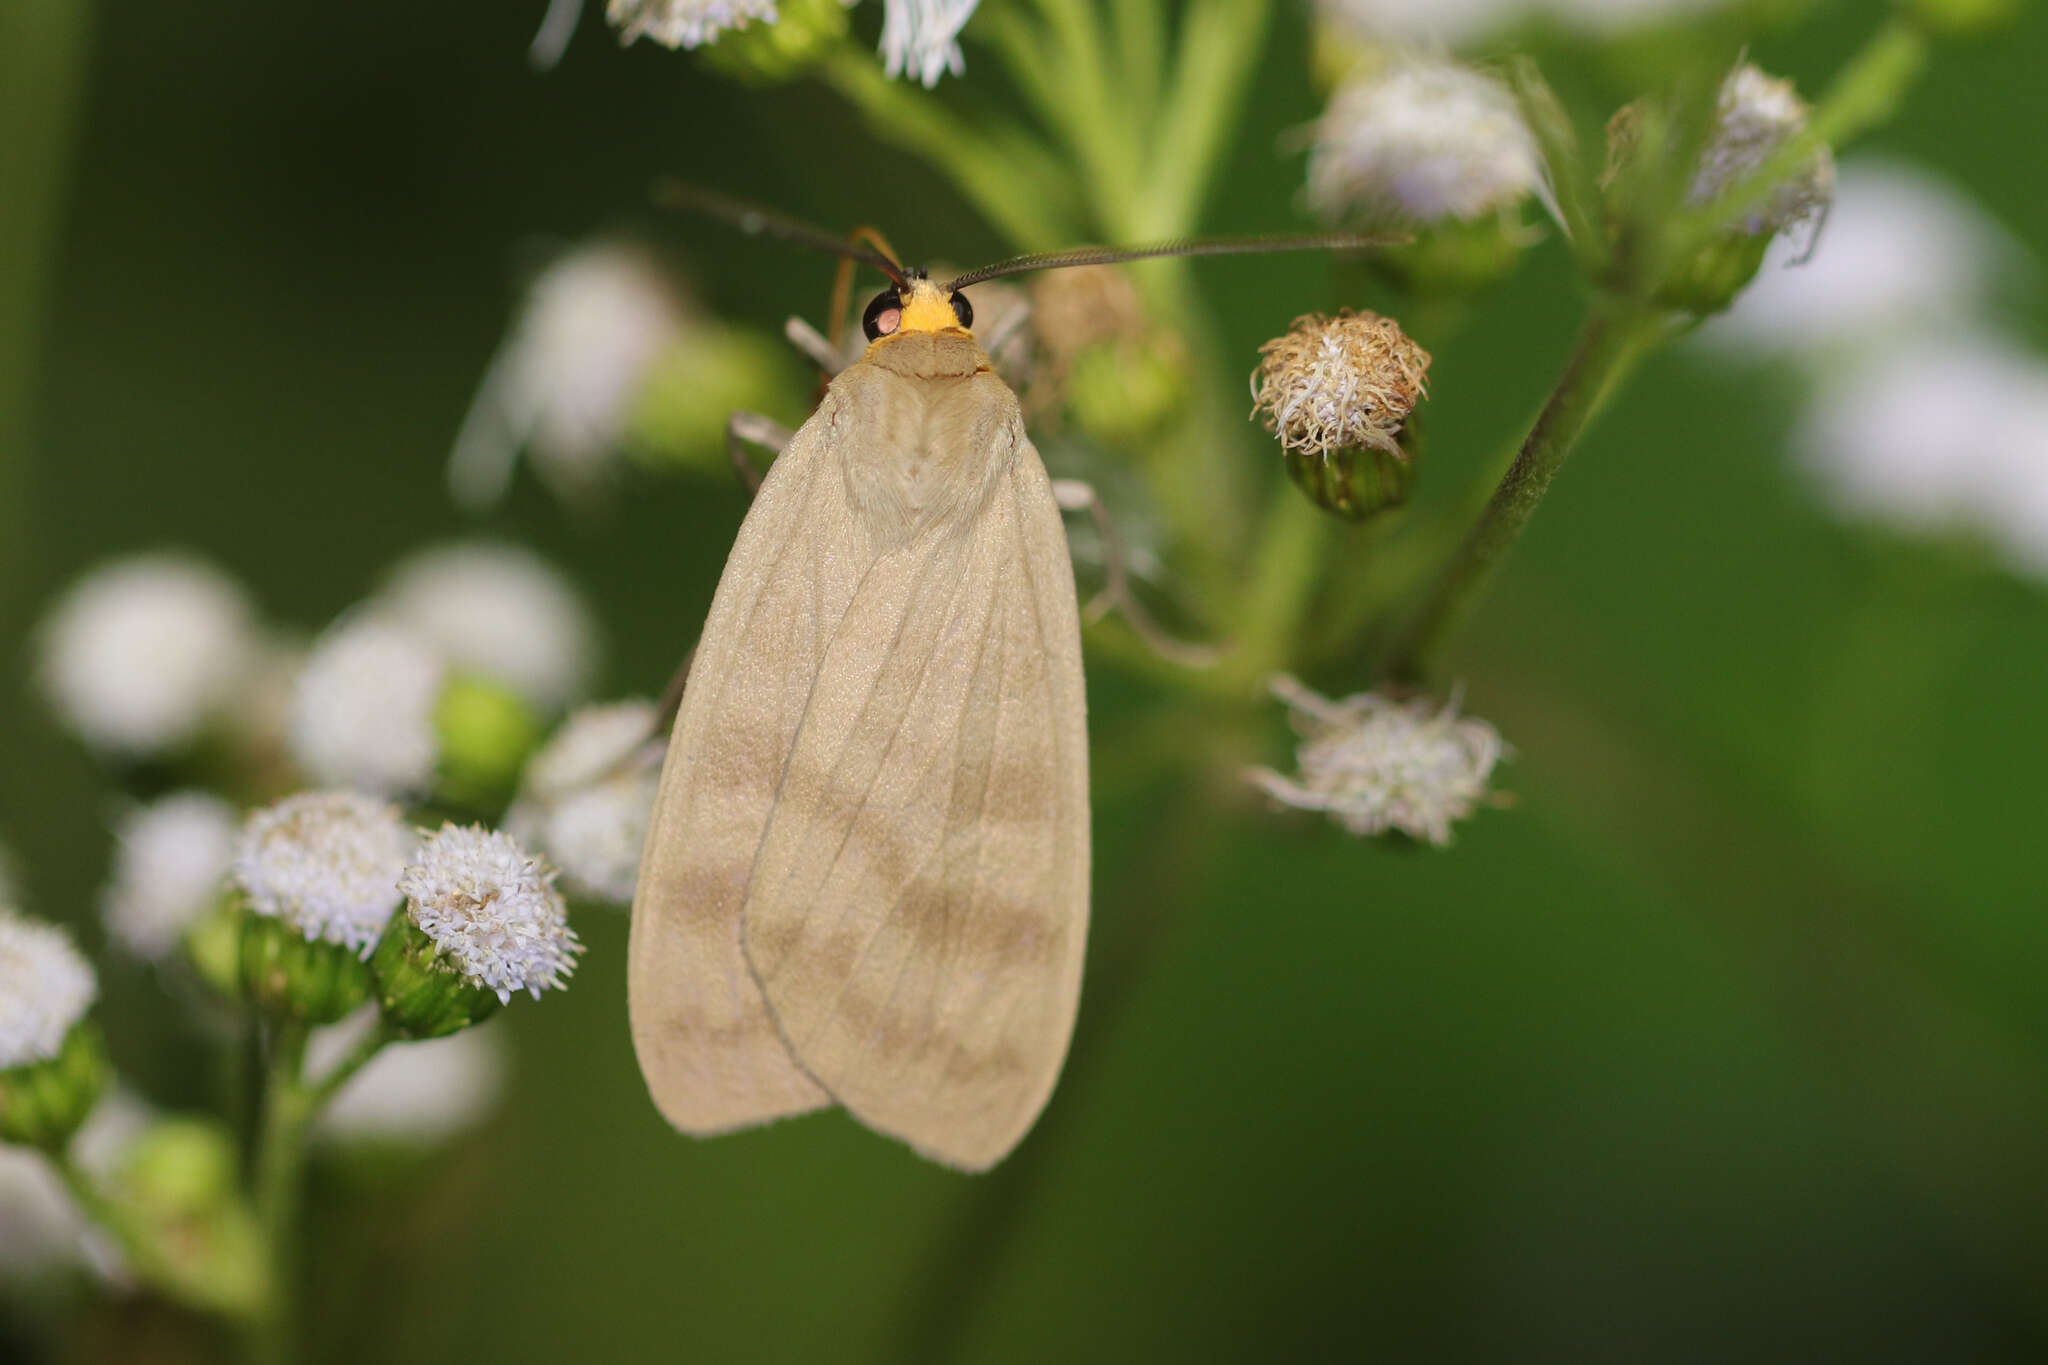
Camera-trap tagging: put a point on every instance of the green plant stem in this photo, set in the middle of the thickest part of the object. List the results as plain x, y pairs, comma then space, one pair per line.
1007, 188
1293, 544
1615, 338
280, 1177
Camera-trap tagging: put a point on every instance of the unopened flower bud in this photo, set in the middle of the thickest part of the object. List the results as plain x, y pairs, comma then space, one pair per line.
1122, 391
320, 872
176, 1183
1338, 392
1374, 764
485, 733
53, 1065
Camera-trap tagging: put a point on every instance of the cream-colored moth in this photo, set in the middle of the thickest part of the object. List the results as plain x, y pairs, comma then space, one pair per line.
866, 879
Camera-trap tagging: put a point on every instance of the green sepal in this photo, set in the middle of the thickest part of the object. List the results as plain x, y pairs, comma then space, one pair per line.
1716, 274
43, 1103
1354, 483
289, 976
421, 992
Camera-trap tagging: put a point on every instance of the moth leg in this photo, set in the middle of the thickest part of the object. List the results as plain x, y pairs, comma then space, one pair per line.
1075, 496
813, 344
743, 429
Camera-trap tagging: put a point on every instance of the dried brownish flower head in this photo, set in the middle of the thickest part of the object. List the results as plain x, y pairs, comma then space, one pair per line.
1347, 382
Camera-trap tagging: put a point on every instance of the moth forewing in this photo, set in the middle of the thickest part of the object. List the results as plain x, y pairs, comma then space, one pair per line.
876, 800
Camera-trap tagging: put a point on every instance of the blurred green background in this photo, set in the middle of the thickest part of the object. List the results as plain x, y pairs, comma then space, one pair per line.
1729, 1040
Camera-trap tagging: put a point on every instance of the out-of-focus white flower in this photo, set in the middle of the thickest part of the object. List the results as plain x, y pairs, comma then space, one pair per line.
1942, 434
140, 653
45, 989
684, 23
492, 909
500, 611
1455, 22
169, 859
922, 37
327, 863
1422, 139
588, 796
40, 1228
1618, 15
363, 709
1900, 249
1756, 115
416, 1093
565, 382
1374, 764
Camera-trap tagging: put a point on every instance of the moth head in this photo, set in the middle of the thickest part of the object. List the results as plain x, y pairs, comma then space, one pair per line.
917, 305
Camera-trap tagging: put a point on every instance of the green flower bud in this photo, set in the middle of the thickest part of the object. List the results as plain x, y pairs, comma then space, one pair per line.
288, 975
485, 732
1456, 256
1710, 281
185, 1224
1123, 390
180, 1168
1354, 483
43, 1102
422, 991
803, 32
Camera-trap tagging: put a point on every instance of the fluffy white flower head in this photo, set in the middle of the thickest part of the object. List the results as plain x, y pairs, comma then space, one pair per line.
327, 863
1374, 764
45, 989
1901, 249
140, 653
414, 1093
362, 713
1757, 113
500, 611
1422, 139
169, 861
1939, 435
1333, 383
492, 909
588, 797
684, 23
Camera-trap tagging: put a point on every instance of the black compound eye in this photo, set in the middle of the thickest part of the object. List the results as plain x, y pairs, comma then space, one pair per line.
884, 315
962, 309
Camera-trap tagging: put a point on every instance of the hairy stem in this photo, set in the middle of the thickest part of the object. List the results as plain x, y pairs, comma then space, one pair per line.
1615, 338
280, 1174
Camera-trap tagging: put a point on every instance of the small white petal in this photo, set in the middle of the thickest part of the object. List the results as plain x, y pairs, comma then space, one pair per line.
45, 989
327, 863
169, 861
500, 611
1422, 139
140, 653
493, 910
414, 1093
921, 38
684, 23
1374, 764
363, 709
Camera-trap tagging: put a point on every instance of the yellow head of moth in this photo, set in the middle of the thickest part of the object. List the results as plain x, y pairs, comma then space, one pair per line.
914, 306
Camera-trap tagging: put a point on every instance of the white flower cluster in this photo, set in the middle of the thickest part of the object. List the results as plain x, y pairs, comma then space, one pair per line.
492, 909
327, 863
588, 796
140, 654
919, 37
1925, 414
45, 989
364, 709
1422, 139
169, 861
1374, 764
684, 23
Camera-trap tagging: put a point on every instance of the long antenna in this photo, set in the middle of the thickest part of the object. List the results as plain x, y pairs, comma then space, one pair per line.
1207, 246
756, 221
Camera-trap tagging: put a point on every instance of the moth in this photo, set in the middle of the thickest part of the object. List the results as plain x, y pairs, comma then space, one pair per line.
866, 880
